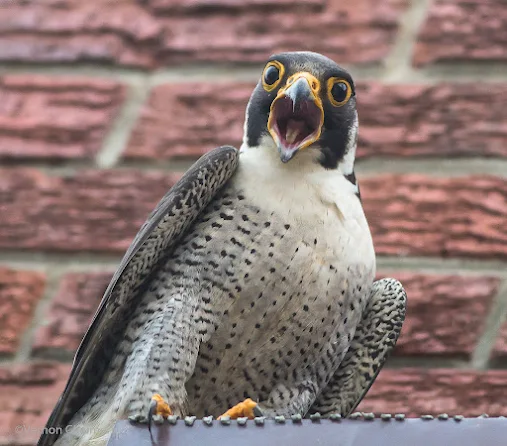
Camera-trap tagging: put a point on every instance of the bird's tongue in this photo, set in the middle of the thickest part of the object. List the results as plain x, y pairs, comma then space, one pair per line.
297, 130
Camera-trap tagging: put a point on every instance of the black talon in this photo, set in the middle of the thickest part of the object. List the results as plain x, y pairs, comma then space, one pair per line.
257, 411
151, 412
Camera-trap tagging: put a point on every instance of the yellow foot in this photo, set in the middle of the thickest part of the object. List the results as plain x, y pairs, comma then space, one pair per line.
160, 407
247, 408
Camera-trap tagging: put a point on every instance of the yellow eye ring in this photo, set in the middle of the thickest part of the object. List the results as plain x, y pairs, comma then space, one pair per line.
338, 96
269, 79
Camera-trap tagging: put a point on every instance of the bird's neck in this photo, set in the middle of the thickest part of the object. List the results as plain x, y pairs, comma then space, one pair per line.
300, 188
305, 163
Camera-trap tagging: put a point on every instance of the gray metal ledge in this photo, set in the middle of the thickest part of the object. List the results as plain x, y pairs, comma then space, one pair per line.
360, 430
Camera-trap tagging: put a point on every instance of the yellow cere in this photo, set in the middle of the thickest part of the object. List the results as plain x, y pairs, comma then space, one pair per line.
313, 82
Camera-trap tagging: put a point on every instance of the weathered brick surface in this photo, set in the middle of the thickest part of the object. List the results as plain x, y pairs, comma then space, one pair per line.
500, 347
89, 211
463, 30
102, 211
445, 313
157, 32
55, 118
70, 312
189, 119
28, 393
434, 391
439, 120
445, 217
19, 293
413, 120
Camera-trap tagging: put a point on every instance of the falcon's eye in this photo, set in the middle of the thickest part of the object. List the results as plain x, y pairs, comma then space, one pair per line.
272, 75
338, 91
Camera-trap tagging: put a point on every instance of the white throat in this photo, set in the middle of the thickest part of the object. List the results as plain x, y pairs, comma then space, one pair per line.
300, 181
265, 159
305, 161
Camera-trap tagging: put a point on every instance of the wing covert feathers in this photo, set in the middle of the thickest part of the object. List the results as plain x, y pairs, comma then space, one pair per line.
175, 212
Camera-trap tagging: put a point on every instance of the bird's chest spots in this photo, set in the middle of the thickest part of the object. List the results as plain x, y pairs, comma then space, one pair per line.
257, 252
292, 294
287, 286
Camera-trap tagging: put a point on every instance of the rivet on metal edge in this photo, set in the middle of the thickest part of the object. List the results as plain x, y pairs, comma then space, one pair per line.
208, 421
225, 421
426, 417
158, 419
335, 417
443, 416
172, 419
296, 418
355, 415
189, 421
369, 416
385, 416
280, 419
315, 417
259, 421
242, 421
458, 417
399, 416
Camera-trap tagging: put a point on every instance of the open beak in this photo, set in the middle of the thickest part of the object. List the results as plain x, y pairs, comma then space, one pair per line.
296, 115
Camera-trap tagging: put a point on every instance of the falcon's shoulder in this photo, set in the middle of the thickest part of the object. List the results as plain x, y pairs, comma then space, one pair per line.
159, 234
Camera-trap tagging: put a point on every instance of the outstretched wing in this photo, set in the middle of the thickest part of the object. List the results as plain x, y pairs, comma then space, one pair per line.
154, 241
373, 341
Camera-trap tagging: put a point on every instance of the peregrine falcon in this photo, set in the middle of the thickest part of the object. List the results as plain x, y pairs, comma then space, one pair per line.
250, 288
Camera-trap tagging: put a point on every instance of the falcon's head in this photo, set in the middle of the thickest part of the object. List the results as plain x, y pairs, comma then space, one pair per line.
304, 101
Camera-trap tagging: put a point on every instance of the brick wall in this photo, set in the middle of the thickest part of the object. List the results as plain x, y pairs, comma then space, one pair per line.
104, 103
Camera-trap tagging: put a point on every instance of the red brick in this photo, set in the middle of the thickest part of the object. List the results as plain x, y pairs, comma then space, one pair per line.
70, 312
88, 211
445, 313
433, 391
463, 30
443, 217
160, 32
189, 119
415, 120
19, 293
500, 347
55, 118
102, 210
432, 120
28, 393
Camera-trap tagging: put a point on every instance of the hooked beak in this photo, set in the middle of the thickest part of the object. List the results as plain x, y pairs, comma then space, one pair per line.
296, 115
